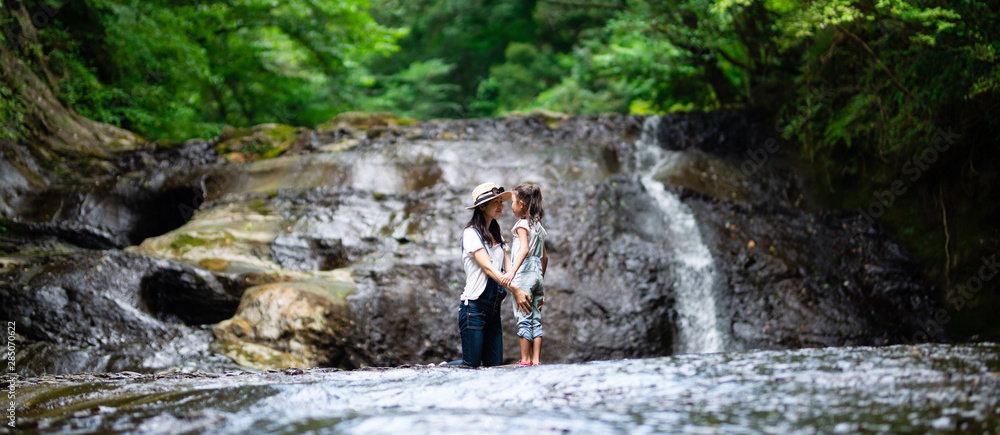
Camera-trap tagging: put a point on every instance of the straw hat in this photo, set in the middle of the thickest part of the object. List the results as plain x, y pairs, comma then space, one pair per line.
486, 192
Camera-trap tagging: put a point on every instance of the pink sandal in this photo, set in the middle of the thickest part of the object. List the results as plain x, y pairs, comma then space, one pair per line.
524, 363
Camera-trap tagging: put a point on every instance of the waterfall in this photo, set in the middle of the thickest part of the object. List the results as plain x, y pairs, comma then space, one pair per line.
698, 328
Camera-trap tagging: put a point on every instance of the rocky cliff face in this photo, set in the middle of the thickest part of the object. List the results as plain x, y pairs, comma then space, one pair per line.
796, 276
339, 247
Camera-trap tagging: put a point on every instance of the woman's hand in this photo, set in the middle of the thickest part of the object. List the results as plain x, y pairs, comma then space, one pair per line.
506, 279
540, 303
522, 299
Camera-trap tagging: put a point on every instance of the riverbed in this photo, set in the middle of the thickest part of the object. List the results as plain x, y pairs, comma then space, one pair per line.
894, 389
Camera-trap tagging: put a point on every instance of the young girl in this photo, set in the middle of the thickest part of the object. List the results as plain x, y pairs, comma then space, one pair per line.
528, 268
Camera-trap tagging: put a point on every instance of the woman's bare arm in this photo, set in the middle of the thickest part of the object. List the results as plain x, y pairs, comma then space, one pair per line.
522, 298
522, 236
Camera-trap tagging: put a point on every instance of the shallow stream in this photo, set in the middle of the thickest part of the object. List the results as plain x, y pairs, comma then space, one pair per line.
917, 389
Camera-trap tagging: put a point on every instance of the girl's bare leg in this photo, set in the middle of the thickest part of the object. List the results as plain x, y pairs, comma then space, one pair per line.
525, 349
536, 345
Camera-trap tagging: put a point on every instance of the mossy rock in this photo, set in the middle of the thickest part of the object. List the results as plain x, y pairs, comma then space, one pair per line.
260, 206
185, 241
363, 121
552, 119
229, 132
259, 357
447, 135
407, 121
260, 142
214, 264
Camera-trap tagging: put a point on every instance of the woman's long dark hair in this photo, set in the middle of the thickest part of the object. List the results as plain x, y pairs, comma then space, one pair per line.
478, 222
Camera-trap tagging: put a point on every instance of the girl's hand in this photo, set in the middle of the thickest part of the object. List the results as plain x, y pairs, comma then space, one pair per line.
540, 303
506, 279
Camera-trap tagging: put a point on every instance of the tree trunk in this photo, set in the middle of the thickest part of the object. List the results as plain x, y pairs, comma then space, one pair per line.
52, 131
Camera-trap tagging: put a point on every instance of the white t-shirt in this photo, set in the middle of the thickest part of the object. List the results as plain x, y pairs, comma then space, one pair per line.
475, 277
536, 235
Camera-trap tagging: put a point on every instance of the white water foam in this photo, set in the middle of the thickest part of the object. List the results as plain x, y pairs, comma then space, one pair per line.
698, 323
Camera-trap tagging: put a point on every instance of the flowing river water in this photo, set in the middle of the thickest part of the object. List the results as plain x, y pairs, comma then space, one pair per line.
896, 389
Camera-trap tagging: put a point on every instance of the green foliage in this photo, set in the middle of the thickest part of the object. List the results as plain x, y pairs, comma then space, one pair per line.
12, 113
176, 70
570, 96
658, 56
514, 84
476, 37
77, 83
420, 91
884, 63
900, 73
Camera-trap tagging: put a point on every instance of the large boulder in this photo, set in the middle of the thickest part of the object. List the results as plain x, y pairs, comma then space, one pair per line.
297, 323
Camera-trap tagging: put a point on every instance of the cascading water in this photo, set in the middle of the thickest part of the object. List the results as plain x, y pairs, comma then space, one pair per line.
697, 319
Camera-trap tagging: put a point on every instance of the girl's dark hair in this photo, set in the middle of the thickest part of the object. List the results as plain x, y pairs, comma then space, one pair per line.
531, 196
478, 222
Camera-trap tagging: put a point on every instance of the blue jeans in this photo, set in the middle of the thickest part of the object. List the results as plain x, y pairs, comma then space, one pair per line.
479, 323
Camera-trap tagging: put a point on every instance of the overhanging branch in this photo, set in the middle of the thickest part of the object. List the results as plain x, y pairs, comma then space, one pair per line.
877, 60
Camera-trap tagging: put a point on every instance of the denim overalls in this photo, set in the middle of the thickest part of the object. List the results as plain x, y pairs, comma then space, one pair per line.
529, 279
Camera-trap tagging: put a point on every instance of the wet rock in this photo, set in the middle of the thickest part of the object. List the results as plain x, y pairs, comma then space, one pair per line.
175, 158
357, 121
447, 135
87, 311
358, 194
299, 323
263, 141
407, 314
103, 215
609, 289
722, 133
191, 295
551, 119
794, 276
234, 235
817, 279
13, 177
734, 162
709, 175
301, 252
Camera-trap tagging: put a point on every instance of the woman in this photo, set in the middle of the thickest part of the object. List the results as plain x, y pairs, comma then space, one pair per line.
483, 257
